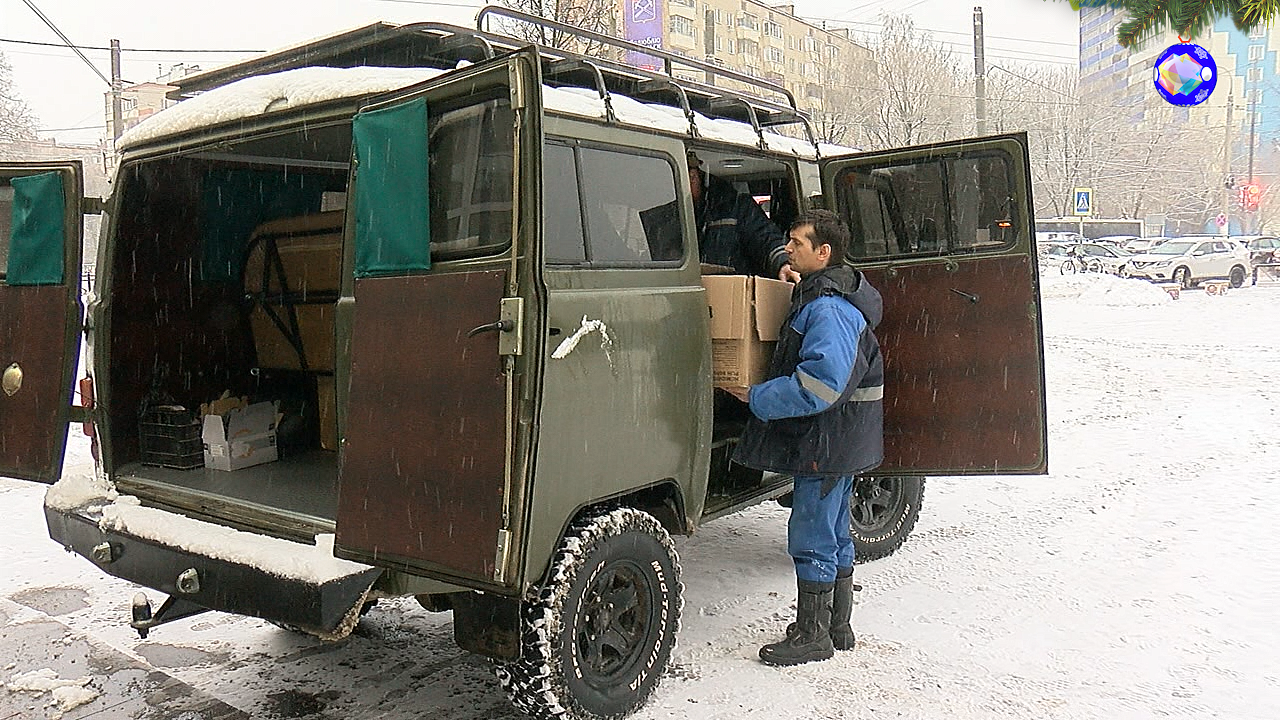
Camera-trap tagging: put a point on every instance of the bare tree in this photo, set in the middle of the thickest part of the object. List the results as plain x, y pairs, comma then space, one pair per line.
915, 88
595, 15
17, 122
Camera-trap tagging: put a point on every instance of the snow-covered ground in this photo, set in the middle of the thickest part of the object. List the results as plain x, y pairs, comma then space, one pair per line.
1138, 580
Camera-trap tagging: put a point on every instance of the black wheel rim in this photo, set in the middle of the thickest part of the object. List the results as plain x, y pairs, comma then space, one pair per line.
613, 634
875, 504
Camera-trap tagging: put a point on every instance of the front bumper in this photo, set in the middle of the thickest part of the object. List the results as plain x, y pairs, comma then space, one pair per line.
319, 607
1164, 274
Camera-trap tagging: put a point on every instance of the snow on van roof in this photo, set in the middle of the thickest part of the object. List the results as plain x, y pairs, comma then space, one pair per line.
262, 94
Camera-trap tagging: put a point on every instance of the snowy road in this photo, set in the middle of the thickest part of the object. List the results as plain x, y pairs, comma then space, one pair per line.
1136, 581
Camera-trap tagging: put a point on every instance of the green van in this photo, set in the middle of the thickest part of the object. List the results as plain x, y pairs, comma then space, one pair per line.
490, 380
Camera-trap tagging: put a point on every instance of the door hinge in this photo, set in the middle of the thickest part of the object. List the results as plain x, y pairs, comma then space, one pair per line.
93, 205
511, 342
500, 558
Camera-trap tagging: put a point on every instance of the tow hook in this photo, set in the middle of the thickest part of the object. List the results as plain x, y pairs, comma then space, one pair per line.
141, 614
173, 608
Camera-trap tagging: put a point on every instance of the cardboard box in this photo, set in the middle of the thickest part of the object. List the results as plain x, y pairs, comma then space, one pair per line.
241, 438
746, 316
327, 403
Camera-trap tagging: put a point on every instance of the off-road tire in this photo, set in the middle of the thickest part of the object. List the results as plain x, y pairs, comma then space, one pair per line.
1182, 276
619, 557
1237, 276
882, 513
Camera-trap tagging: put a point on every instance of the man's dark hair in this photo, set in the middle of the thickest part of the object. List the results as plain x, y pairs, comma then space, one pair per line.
828, 229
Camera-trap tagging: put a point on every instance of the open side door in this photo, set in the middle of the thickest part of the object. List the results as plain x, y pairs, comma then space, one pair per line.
435, 313
945, 232
40, 311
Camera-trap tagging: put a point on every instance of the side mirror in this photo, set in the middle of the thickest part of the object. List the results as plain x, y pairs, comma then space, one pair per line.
1197, 253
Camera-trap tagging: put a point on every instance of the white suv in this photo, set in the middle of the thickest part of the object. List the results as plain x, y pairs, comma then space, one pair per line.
1187, 261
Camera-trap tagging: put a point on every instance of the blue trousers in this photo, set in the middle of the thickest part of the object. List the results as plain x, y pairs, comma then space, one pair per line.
818, 532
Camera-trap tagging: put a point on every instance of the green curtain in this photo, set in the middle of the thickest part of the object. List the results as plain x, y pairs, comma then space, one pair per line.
392, 229
37, 237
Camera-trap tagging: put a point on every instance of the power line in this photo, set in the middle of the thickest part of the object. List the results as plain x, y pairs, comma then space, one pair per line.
141, 50
66, 40
82, 127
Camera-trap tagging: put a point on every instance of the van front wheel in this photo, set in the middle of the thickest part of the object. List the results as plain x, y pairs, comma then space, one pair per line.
882, 513
597, 635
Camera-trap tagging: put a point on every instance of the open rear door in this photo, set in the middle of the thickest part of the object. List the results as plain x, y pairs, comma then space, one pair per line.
40, 236
946, 234
426, 479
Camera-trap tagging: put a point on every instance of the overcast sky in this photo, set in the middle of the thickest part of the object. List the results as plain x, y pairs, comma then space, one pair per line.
67, 96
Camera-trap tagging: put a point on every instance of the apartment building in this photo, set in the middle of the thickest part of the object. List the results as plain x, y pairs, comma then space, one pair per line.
142, 100
817, 65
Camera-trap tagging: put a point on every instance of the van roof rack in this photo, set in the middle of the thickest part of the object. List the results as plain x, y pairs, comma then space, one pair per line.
442, 46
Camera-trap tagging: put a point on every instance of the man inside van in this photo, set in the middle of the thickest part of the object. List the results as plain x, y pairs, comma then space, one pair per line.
820, 418
733, 230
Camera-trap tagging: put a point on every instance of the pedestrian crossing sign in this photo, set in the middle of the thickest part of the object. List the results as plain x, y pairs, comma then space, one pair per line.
1083, 201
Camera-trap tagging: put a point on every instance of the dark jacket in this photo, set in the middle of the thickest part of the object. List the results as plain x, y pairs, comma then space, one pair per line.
822, 411
734, 231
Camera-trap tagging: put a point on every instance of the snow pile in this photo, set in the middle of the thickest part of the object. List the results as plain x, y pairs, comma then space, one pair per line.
282, 558
78, 488
66, 694
256, 95
1102, 289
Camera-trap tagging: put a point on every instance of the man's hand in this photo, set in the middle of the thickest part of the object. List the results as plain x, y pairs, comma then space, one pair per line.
786, 274
743, 394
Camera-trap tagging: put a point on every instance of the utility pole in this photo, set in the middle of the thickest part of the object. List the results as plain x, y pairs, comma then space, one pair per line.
979, 74
1253, 121
117, 121
1227, 184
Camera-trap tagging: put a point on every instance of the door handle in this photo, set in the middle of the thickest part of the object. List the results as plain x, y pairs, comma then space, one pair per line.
967, 296
503, 325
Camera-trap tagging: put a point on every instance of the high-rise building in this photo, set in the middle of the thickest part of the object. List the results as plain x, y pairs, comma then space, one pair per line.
817, 65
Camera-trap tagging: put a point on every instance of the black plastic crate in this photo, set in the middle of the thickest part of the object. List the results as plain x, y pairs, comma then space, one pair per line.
169, 436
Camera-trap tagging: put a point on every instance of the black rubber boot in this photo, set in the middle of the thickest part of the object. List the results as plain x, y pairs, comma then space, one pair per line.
842, 609
812, 638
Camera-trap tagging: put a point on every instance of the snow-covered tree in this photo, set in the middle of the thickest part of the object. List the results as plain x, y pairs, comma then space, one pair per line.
17, 122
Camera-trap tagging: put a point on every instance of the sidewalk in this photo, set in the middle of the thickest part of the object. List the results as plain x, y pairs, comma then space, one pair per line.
39, 651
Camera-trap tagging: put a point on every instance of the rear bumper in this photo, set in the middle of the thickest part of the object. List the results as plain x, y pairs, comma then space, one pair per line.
235, 587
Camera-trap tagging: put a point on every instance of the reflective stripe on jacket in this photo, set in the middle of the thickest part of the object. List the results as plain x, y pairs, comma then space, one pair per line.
821, 412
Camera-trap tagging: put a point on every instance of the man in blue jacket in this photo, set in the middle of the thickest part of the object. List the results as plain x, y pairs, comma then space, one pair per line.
820, 418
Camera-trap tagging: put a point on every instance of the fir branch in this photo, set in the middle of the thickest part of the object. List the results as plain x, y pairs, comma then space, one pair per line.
1257, 12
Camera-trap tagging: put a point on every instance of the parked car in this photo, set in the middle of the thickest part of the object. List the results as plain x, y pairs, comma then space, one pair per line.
1138, 245
1096, 257
1059, 236
1187, 261
1264, 249
1115, 240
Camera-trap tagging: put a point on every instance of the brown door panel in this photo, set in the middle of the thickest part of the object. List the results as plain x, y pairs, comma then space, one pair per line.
422, 466
964, 377
33, 428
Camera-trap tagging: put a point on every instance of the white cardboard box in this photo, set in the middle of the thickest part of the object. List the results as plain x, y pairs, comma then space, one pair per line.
241, 438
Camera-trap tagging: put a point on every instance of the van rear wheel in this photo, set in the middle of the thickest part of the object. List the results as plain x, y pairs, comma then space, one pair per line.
882, 513
597, 635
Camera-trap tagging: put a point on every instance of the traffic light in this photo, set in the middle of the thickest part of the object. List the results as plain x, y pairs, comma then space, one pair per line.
1252, 197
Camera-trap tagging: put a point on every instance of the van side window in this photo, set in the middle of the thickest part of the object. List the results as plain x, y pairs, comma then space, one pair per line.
626, 204
932, 206
471, 174
563, 240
